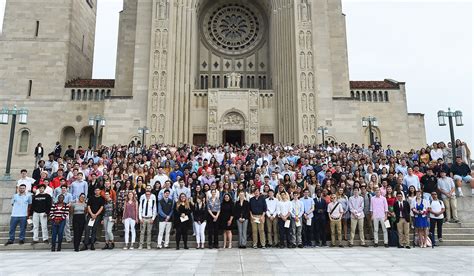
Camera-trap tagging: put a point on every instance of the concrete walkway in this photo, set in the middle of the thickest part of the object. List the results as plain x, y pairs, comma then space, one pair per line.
318, 261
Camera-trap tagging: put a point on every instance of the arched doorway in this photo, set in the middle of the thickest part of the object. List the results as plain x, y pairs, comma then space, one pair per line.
233, 126
87, 136
68, 136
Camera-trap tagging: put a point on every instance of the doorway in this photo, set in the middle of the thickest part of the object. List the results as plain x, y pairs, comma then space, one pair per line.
234, 137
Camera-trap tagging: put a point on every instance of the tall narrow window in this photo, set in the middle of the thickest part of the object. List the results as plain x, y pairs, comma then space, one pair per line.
24, 137
30, 87
37, 28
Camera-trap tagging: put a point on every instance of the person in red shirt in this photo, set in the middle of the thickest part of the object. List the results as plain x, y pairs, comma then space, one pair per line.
108, 188
56, 182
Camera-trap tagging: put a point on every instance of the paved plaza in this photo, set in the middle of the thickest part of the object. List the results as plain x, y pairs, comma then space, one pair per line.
327, 261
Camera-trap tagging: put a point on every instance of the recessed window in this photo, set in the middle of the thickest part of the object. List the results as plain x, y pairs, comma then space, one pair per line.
24, 138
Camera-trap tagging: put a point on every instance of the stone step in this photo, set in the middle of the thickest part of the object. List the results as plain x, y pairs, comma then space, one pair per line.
192, 245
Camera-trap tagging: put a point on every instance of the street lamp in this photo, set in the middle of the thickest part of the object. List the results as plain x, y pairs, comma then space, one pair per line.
23, 119
323, 130
442, 122
97, 121
370, 122
143, 131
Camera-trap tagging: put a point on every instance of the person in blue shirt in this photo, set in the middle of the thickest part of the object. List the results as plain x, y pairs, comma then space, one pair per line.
20, 202
78, 187
176, 172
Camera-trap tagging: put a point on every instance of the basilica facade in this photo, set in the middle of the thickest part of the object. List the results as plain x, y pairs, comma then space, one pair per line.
194, 71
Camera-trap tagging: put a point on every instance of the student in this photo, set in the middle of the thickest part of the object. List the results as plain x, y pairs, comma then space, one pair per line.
165, 215
182, 220
20, 202
319, 219
297, 210
241, 216
214, 210
307, 222
401, 208
356, 207
258, 207
78, 210
41, 205
271, 219
421, 210
335, 212
95, 207
226, 217
200, 218
284, 221
58, 214
146, 216
436, 216
379, 212
129, 218
108, 221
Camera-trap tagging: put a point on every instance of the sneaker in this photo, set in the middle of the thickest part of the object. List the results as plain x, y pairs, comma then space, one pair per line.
159, 246
8, 243
440, 240
125, 247
300, 246
255, 247
140, 247
407, 247
148, 247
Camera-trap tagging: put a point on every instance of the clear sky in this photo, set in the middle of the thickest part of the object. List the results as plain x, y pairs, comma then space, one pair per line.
425, 43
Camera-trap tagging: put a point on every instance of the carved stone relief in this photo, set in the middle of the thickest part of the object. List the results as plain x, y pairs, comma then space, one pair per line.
305, 124
303, 81
161, 123
158, 39
163, 81
154, 102
305, 140
154, 122
253, 98
304, 102
162, 102
309, 60
155, 81
162, 9
233, 118
157, 59
212, 117
311, 102
305, 11
302, 60
310, 81
309, 40
312, 124
302, 39
253, 116
164, 60
212, 98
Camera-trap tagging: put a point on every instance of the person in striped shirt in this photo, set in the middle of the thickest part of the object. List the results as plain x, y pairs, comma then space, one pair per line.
58, 215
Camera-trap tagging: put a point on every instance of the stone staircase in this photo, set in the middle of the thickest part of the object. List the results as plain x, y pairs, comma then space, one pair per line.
454, 234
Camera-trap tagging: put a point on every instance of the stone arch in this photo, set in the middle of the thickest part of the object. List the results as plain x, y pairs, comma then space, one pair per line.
233, 119
376, 132
86, 137
68, 136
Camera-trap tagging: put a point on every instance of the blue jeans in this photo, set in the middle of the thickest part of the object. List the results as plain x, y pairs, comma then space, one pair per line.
58, 231
14, 221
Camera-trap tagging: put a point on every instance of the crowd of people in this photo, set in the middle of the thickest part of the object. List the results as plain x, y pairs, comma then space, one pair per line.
292, 196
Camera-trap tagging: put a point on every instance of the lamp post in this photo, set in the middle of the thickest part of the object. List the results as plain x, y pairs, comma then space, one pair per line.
23, 118
442, 115
97, 121
323, 130
370, 122
143, 131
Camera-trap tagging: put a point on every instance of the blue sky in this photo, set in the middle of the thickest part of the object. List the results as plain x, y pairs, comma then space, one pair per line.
427, 44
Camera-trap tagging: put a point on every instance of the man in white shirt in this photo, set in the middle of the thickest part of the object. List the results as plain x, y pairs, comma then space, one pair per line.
146, 215
271, 218
436, 216
297, 211
181, 189
284, 222
24, 179
160, 176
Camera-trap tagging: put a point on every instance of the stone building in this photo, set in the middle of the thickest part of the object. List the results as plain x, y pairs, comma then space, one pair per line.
193, 71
